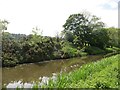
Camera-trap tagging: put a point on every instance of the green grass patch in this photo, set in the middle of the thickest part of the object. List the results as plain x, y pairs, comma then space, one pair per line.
100, 74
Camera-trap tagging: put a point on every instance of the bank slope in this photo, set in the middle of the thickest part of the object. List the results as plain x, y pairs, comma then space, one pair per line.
100, 74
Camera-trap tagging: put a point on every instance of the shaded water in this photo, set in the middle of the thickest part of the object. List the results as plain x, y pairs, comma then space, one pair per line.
32, 72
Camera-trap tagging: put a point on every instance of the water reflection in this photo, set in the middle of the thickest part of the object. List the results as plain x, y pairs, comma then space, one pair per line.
33, 71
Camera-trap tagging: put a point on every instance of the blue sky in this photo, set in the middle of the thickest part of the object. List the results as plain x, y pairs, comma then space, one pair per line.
50, 15
107, 6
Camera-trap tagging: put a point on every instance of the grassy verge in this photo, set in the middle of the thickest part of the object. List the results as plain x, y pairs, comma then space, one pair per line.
101, 74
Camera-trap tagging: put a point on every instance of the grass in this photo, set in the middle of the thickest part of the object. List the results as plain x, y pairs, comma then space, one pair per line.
100, 74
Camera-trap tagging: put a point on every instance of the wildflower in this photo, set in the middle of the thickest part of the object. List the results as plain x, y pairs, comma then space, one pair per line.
54, 77
45, 80
11, 85
40, 78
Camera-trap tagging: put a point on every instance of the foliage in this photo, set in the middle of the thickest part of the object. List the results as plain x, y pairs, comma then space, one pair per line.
100, 38
81, 27
68, 50
33, 48
80, 31
94, 50
29, 49
114, 34
83, 54
3, 24
69, 36
10, 51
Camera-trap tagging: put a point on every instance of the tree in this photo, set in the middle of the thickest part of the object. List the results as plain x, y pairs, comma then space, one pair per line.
3, 25
100, 38
36, 36
69, 36
75, 24
82, 26
114, 34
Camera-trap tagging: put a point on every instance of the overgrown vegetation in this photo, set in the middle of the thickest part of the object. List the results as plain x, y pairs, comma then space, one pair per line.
83, 34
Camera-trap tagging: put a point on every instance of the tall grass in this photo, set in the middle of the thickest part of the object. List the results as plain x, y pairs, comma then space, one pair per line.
101, 74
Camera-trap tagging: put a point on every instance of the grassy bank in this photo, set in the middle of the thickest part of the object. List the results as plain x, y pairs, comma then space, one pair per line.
101, 74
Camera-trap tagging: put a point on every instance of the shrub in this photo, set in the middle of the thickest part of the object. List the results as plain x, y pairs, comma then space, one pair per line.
94, 50
109, 50
69, 51
57, 54
83, 54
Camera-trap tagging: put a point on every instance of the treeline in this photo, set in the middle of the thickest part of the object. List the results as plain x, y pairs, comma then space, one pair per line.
83, 34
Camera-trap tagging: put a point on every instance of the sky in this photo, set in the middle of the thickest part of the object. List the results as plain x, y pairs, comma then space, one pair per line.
50, 15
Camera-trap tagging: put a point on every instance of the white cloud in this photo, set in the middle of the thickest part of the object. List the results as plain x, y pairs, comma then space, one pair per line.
50, 15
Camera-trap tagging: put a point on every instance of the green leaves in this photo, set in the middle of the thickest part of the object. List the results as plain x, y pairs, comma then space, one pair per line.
3, 24
81, 26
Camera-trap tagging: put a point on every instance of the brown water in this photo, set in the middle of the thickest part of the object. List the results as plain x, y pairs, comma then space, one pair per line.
32, 72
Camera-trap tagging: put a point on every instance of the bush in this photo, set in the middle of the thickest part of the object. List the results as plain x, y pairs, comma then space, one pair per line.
57, 54
113, 49
9, 63
69, 51
94, 50
109, 50
83, 54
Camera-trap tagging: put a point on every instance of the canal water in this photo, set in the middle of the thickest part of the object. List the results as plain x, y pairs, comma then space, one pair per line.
33, 71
